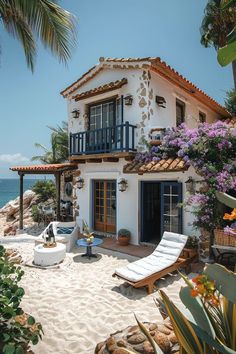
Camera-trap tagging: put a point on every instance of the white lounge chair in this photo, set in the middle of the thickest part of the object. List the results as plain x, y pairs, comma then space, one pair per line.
165, 259
65, 232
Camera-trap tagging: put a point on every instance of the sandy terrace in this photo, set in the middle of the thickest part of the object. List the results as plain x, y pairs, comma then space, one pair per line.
79, 304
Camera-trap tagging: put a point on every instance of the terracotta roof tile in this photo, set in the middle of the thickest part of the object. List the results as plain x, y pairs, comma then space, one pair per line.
163, 69
45, 168
165, 165
101, 89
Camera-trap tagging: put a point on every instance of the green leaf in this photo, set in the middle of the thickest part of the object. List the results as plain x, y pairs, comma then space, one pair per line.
225, 4
6, 337
31, 321
182, 327
9, 349
214, 343
225, 280
34, 339
227, 54
20, 292
195, 306
19, 350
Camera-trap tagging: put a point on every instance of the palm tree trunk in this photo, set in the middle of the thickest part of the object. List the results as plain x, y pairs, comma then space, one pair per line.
234, 72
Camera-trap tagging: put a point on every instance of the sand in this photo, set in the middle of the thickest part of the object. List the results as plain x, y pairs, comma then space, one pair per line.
79, 304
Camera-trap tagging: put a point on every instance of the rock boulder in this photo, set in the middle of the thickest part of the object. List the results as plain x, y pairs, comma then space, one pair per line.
132, 339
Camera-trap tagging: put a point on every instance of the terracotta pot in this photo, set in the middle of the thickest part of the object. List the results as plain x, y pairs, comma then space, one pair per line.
123, 240
189, 252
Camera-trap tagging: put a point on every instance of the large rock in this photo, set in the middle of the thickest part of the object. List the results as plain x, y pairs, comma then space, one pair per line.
131, 338
12, 208
9, 214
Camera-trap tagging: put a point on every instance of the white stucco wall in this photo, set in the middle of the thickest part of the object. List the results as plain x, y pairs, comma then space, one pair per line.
145, 113
144, 86
128, 202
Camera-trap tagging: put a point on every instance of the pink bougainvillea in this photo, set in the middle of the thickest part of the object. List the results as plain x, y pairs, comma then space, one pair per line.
211, 150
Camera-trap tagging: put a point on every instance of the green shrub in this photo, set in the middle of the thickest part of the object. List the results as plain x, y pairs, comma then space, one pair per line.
192, 242
45, 190
35, 212
17, 329
124, 232
230, 101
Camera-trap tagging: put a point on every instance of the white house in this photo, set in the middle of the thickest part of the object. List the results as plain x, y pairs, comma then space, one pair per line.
112, 109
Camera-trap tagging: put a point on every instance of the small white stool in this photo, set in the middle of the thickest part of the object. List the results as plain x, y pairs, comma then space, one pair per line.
44, 256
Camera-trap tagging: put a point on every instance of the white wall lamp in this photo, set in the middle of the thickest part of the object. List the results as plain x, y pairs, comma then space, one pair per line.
75, 113
80, 183
161, 102
128, 100
190, 185
122, 184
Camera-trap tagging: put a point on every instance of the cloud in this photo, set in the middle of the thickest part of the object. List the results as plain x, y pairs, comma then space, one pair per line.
13, 158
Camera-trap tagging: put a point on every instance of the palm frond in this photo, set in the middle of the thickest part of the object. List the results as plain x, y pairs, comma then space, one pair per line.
53, 25
16, 25
39, 19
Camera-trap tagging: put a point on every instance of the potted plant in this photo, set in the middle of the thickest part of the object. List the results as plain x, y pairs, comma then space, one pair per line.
191, 246
124, 237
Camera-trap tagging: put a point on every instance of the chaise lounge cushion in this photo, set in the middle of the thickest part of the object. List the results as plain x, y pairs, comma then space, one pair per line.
165, 254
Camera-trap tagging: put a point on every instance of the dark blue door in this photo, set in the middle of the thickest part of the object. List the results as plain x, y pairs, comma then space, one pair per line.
171, 212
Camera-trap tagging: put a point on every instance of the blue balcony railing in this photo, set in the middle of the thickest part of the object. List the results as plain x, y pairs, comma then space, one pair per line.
118, 138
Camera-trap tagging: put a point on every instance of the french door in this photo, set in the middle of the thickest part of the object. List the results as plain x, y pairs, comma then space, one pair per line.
160, 209
104, 203
171, 213
101, 117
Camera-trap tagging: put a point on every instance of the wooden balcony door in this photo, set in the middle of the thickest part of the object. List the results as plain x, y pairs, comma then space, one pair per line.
105, 205
101, 116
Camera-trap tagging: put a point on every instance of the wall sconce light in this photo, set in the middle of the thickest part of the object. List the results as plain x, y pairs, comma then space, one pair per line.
75, 113
161, 102
190, 185
128, 100
80, 183
122, 185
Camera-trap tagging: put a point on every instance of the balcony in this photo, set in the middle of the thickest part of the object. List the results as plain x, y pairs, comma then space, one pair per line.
119, 138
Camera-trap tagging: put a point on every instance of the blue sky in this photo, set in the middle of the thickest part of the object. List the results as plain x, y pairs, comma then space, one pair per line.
125, 28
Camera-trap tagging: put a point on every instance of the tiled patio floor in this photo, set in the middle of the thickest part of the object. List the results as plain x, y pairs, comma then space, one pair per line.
133, 250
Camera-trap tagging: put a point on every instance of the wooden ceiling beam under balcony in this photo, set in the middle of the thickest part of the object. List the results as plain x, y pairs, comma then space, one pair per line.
105, 157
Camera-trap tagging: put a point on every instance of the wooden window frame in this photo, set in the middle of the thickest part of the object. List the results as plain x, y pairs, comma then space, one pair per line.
202, 115
113, 101
181, 104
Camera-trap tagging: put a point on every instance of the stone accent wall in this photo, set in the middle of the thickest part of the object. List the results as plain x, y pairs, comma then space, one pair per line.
204, 245
145, 101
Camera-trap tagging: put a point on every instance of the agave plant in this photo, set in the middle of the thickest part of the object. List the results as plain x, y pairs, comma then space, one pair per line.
226, 199
206, 323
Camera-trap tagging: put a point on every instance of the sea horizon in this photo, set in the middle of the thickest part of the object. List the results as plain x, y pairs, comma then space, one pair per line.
10, 188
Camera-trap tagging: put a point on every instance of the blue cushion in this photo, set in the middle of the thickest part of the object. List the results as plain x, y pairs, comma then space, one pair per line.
64, 230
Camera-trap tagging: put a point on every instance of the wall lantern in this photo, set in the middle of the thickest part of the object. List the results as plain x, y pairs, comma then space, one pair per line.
75, 113
128, 100
122, 185
80, 183
190, 185
161, 102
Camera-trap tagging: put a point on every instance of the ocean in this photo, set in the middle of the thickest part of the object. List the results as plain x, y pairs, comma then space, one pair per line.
10, 188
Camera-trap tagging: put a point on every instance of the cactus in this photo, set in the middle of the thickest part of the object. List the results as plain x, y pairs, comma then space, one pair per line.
206, 323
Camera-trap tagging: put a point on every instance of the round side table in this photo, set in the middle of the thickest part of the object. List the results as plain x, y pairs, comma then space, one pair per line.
83, 243
44, 256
